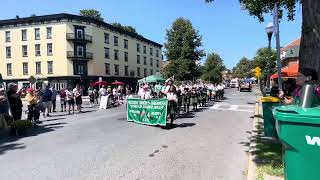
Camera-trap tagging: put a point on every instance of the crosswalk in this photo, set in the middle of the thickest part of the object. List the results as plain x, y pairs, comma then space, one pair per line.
232, 107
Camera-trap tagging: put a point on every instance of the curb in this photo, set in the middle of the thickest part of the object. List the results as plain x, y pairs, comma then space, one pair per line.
251, 175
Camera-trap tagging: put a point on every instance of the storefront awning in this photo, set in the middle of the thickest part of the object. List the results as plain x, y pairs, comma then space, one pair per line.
288, 72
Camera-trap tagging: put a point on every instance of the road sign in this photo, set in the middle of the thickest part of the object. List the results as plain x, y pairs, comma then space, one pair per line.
257, 74
32, 79
100, 79
257, 69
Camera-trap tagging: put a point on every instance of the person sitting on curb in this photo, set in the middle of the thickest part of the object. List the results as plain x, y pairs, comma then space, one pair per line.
304, 75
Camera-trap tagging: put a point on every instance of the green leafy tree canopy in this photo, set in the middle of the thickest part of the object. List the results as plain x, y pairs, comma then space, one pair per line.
126, 28
213, 68
183, 41
243, 69
265, 60
92, 13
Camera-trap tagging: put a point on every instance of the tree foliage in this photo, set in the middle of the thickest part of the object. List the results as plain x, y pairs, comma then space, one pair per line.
126, 28
265, 60
243, 69
182, 69
183, 41
261, 7
92, 13
213, 68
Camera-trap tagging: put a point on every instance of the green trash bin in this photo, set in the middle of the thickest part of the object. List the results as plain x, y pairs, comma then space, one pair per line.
299, 131
269, 123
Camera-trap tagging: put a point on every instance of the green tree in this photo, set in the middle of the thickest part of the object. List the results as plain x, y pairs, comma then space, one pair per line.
262, 59
309, 47
243, 69
213, 68
33, 15
183, 41
182, 69
92, 13
126, 28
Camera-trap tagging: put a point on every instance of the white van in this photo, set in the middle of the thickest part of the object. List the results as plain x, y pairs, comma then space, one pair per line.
234, 83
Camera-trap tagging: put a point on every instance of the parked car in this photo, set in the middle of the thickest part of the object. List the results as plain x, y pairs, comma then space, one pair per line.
245, 85
234, 83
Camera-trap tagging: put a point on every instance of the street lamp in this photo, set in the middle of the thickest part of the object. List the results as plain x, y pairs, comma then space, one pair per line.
269, 31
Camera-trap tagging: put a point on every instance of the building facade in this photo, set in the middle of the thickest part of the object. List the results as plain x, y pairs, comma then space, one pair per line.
65, 49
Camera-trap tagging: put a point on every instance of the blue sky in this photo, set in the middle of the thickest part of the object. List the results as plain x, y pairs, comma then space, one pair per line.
226, 29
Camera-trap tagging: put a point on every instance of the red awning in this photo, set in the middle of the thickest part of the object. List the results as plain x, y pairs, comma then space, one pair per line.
288, 72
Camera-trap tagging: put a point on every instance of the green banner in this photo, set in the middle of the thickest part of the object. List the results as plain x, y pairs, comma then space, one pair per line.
151, 111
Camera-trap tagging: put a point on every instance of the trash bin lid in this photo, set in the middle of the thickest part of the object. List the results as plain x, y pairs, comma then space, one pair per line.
294, 113
270, 99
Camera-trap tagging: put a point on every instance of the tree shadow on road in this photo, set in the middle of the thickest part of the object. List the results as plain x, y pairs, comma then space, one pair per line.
182, 125
8, 143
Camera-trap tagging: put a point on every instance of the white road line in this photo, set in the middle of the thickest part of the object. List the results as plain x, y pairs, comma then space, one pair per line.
231, 109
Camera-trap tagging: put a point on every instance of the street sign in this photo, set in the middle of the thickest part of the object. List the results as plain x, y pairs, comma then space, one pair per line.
100, 79
257, 69
257, 74
32, 79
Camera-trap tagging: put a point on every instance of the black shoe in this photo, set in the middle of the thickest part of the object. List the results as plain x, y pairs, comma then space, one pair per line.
48, 115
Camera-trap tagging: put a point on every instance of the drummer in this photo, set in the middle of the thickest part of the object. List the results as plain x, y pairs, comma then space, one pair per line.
168, 83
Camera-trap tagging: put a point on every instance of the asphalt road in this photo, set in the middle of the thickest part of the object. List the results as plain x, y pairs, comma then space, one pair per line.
101, 145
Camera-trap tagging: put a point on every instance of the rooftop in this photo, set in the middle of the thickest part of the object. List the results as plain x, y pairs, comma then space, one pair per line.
29, 20
294, 43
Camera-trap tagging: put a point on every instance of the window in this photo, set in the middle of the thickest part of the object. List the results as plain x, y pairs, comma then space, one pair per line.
107, 66
106, 38
8, 51
126, 71
80, 68
151, 71
79, 51
138, 47
107, 53
116, 69
116, 56
115, 40
157, 53
24, 35
126, 56
79, 33
138, 71
8, 38
9, 69
50, 67
25, 68
38, 67
37, 50
37, 33
125, 44
138, 59
145, 60
151, 51
151, 62
145, 72
157, 63
49, 32
49, 49
25, 51
144, 49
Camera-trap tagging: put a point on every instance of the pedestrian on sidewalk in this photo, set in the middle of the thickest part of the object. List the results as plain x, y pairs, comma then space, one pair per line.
63, 102
78, 97
54, 98
33, 113
96, 96
47, 100
91, 96
70, 100
14, 101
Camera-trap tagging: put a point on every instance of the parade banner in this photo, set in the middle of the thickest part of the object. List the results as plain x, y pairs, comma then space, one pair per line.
151, 112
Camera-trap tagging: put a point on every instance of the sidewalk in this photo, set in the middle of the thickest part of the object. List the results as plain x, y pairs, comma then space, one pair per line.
265, 156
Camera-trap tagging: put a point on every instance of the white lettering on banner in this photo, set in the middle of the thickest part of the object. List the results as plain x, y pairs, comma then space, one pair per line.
313, 140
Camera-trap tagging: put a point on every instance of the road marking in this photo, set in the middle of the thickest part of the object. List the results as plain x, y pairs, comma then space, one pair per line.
231, 107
